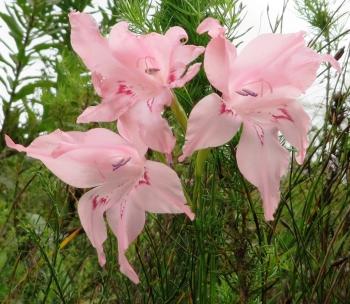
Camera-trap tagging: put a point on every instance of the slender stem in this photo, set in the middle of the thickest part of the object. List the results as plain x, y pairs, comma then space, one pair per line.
179, 113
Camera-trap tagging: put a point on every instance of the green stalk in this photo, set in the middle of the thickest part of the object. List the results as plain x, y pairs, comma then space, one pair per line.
179, 113
202, 156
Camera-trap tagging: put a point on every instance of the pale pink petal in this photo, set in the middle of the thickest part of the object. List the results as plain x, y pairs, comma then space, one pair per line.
74, 173
160, 191
218, 59
281, 60
117, 98
264, 103
294, 123
177, 35
110, 89
210, 124
190, 73
92, 206
125, 45
263, 162
187, 53
181, 57
91, 46
130, 130
11, 144
145, 56
144, 125
105, 111
330, 59
212, 26
126, 221
160, 49
278, 109
141, 53
75, 157
97, 81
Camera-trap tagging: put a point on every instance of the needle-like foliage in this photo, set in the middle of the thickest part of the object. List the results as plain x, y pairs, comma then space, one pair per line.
229, 254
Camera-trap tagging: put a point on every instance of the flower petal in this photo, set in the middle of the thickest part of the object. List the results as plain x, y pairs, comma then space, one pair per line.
262, 161
212, 26
218, 59
125, 45
295, 124
91, 212
144, 125
181, 57
126, 221
147, 56
92, 206
282, 60
105, 111
278, 109
161, 191
190, 73
75, 157
91, 46
176, 34
210, 125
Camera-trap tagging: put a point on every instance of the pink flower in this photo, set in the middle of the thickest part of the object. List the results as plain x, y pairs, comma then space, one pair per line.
126, 185
259, 87
134, 75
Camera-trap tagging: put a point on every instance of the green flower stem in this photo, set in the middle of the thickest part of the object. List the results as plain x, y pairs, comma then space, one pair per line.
202, 156
179, 113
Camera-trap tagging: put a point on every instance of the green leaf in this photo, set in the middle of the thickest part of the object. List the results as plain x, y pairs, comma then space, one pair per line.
4, 42
44, 46
30, 88
8, 63
15, 29
3, 81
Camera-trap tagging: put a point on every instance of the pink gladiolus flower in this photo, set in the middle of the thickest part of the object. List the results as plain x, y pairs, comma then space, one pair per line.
259, 87
126, 184
134, 75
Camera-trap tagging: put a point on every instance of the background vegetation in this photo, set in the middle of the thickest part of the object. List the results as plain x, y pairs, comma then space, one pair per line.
229, 254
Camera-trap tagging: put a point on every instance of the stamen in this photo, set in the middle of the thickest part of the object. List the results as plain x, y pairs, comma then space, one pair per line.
250, 92
262, 83
242, 93
121, 163
147, 62
152, 71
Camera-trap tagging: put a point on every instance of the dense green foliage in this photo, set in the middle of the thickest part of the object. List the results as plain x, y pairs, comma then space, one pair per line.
229, 254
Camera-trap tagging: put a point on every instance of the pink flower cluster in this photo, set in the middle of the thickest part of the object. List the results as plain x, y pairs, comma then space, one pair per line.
134, 75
